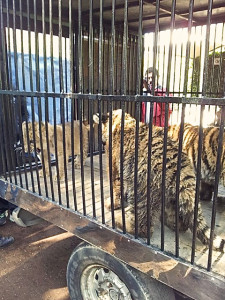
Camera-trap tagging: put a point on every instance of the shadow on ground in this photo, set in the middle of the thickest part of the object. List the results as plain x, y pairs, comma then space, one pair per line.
34, 266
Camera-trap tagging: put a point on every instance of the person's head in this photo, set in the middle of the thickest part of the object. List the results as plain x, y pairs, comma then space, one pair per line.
149, 75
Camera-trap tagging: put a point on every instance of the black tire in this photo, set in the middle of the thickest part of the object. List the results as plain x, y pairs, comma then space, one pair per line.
87, 257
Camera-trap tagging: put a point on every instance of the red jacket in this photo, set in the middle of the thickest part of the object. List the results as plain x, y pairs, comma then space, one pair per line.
159, 110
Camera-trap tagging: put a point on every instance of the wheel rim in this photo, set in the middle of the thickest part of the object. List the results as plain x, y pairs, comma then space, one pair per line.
98, 282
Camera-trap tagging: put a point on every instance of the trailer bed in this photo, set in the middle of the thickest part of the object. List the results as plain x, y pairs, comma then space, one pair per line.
104, 215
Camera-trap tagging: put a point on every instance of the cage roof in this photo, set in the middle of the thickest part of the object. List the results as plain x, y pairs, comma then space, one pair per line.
201, 12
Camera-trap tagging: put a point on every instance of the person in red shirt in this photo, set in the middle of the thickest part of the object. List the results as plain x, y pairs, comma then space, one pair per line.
159, 109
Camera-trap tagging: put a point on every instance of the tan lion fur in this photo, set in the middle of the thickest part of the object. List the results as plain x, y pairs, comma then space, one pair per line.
51, 139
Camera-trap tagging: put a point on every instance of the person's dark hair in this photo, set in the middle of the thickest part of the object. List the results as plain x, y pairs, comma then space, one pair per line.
150, 70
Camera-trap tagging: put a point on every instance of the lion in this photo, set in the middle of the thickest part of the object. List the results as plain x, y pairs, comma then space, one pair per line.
28, 128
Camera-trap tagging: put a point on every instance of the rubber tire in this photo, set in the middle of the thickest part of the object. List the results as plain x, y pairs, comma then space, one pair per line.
140, 287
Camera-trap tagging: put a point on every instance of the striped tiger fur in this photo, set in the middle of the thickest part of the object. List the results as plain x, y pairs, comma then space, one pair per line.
208, 155
187, 180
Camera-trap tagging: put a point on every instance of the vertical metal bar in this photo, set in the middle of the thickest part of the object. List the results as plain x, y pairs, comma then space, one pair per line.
100, 162
44, 47
110, 165
8, 112
190, 19
65, 150
42, 148
100, 54
150, 127
3, 51
32, 99
206, 60
46, 99
51, 45
221, 60
121, 167
22, 48
14, 137
11, 126
198, 178
72, 153
140, 49
79, 54
71, 38
60, 47
175, 63
91, 49
172, 25
137, 113
21, 134
91, 159
200, 55
72, 85
81, 155
217, 176
194, 63
112, 90
29, 46
56, 150
116, 60
37, 68
6, 163
112, 53
164, 176
124, 57
91, 86
54, 99
100, 87
107, 65
35, 148
15, 47
2, 148
5, 139
9, 46
181, 63
212, 73
155, 46
29, 156
136, 191
179, 156
80, 89
36, 48
103, 63
10, 133
66, 79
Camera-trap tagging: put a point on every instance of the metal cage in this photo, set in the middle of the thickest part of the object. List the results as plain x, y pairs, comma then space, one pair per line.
64, 61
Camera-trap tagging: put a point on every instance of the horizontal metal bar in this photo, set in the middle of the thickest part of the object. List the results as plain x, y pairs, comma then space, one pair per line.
128, 98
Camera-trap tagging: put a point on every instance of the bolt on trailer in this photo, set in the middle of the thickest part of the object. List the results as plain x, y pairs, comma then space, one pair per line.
112, 128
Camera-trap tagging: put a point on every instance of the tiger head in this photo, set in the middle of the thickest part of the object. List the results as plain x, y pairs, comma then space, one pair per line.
116, 122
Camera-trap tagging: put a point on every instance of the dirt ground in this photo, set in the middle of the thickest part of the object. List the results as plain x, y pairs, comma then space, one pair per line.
34, 266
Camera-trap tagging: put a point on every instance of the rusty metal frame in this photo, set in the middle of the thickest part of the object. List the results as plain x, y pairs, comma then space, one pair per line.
173, 272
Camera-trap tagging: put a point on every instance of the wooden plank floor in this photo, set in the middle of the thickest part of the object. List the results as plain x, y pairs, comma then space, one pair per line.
201, 255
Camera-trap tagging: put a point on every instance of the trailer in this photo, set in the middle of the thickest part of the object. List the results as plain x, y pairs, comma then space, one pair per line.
65, 62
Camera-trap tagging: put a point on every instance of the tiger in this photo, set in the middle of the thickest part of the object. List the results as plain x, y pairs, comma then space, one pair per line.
208, 155
186, 188
27, 129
